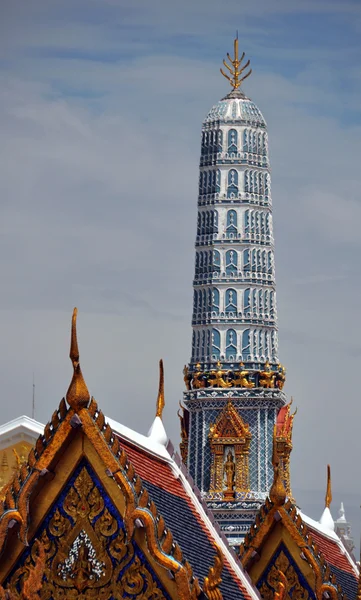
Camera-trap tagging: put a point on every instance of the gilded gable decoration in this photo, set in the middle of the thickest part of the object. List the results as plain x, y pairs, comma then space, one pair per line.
87, 550
82, 535
230, 440
315, 564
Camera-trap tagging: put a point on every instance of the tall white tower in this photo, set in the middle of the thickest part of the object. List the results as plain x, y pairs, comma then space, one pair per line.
234, 379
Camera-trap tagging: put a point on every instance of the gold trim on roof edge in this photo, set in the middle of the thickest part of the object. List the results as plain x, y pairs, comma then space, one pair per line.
291, 519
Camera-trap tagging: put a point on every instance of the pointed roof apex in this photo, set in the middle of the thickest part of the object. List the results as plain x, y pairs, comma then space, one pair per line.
77, 395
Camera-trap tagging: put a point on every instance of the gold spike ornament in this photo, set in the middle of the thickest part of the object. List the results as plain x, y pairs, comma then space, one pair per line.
235, 69
77, 395
160, 398
328, 497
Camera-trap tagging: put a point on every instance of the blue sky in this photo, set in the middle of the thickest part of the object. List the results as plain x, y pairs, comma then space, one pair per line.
101, 105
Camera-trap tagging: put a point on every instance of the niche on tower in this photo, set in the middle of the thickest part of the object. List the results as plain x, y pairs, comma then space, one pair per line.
229, 440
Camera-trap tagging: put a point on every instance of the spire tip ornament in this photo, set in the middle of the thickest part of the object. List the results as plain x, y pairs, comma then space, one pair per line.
235, 69
77, 395
160, 398
328, 497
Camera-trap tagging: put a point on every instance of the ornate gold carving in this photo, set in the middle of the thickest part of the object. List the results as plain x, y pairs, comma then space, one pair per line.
282, 579
283, 441
33, 578
242, 378
160, 398
267, 377
81, 548
235, 69
230, 431
214, 579
277, 492
216, 378
77, 395
280, 377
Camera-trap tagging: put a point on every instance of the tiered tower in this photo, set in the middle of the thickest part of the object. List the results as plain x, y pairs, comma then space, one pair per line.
234, 379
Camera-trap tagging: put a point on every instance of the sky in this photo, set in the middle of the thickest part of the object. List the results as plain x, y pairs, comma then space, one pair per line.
101, 106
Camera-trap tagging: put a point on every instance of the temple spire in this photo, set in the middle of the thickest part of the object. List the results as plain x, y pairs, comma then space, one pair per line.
77, 395
235, 69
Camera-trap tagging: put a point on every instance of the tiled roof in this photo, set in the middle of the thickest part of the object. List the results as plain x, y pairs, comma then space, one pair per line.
340, 562
191, 524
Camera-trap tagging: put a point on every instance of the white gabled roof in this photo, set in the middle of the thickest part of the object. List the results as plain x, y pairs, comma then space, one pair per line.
149, 443
22, 428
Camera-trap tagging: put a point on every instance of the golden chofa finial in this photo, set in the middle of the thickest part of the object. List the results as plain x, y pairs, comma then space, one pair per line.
160, 398
328, 497
77, 395
235, 69
277, 492
214, 578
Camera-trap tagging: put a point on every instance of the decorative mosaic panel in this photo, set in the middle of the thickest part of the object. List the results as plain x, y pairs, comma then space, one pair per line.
297, 584
86, 550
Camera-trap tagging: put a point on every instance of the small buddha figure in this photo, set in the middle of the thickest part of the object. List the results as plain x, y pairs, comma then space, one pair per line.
280, 377
217, 380
186, 377
267, 377
229, 471
241, 378
198, 378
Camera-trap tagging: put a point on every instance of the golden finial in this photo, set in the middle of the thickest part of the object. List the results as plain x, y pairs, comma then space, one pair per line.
214, 579
277, 492
236, 72
328, 497
77, 395
160, 398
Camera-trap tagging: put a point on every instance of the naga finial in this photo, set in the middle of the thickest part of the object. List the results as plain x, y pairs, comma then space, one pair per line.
77, 395
214, 579
235, 80
328, 497
277, 492
160, 398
